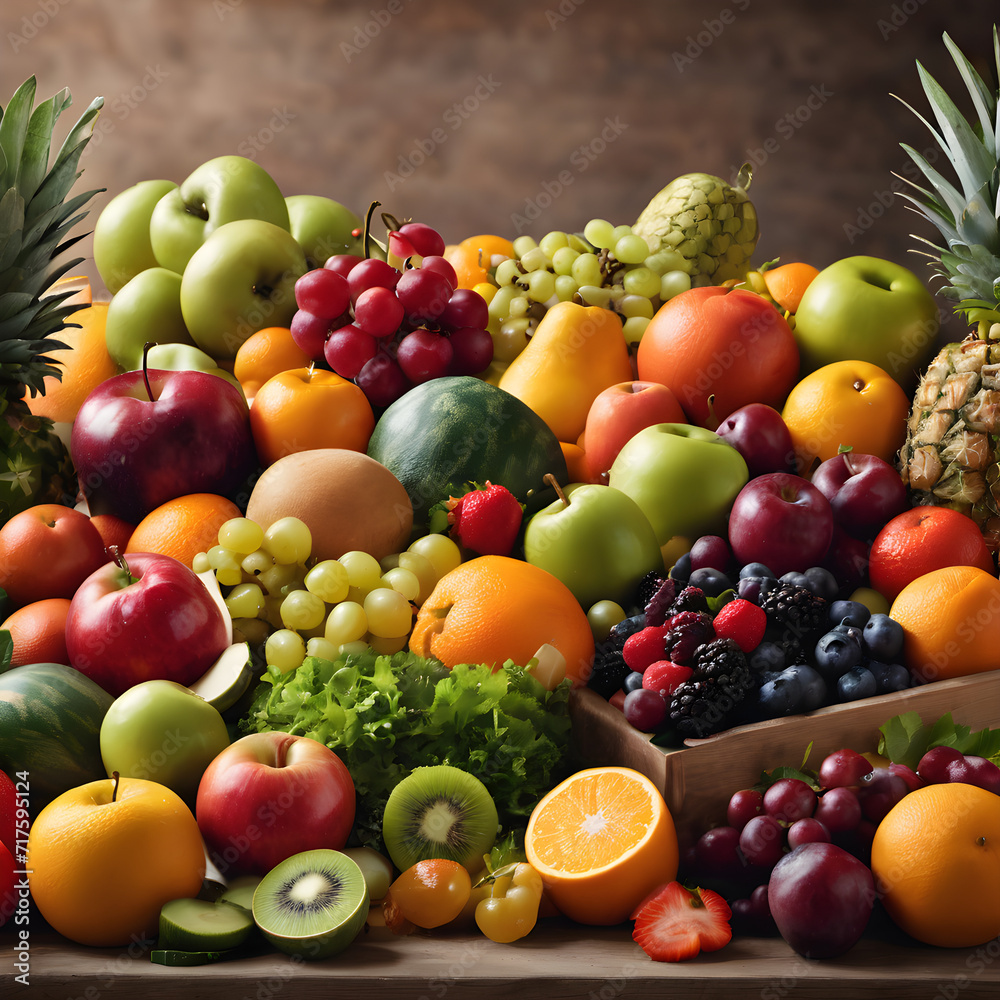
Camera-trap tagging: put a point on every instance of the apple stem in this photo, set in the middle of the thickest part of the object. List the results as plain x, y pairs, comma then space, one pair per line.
554, 483
712, 418
119, 559
114, 791
145, 373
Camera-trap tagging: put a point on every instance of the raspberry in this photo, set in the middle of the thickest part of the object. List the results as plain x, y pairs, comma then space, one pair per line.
665, 676
742, 621
644, 648
684, 633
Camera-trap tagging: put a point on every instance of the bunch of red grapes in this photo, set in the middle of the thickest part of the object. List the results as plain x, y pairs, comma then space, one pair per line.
388, 329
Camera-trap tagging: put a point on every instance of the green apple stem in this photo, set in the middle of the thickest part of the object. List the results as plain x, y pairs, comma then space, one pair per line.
114, 790
554, 483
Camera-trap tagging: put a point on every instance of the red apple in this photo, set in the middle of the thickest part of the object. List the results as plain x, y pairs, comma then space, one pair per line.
621, 411
149, 618
48, 551
271, 795
865, 491
13, 822
759, 433
135, 447
847, 558
782, 521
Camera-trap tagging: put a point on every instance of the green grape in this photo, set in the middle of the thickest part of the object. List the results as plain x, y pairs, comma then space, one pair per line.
280, 579
566, 287
673, 283
523, 244
595, 295
636, 305
511, 339
402, 580
322, 648
633, 329
441, 551
422, 568
550, 243
245, 600
220, 557
256, 562
631, 249
518, 308
328, 581
347, 622
603, 616
241, 535
562, 260
500, 302
285, 650
386, 647
201, 563
359, 647
363, 570
389, 613
541, 285
579, 244
289, 540
600, 233
508, 272
535, 260
301, 610
641, 281
587, 270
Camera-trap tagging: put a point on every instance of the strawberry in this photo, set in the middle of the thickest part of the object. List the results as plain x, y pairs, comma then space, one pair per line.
665, 676
743, 622
644, 647
486, 520
674, 923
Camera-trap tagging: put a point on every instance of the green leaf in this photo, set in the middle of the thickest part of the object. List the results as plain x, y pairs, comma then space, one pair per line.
906, 738
901, 738
6, 649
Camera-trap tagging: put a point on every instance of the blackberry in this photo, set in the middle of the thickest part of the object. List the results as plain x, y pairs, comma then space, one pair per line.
796, 617
689, 599
705, 702
660, 602
687, 631
609, 669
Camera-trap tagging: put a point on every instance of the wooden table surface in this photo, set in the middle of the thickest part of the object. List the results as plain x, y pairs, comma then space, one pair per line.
558, 960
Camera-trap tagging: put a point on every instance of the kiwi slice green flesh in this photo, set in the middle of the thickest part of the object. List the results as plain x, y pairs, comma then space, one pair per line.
313, 904
439, 811
200, 925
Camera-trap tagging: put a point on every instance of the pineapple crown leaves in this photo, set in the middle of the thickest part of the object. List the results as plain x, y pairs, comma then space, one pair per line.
36, 217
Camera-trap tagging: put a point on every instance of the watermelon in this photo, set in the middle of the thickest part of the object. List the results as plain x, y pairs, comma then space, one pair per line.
50, 726
454, 430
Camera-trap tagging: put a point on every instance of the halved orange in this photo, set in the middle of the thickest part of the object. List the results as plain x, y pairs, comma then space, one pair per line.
602, 840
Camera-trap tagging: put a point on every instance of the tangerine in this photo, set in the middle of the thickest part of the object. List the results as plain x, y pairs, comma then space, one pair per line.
936, 861
264, 354
602, 840
951, 622
303, 409
183, 527
922, 539
846, 404
787, 283
496, 608
38, 631
473, 257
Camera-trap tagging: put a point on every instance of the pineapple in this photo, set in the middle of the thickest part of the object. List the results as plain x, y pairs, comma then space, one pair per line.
35, 220
712, 224
951, 455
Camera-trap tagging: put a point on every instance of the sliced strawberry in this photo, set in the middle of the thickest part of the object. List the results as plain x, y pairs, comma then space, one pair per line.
486, 520
676, 923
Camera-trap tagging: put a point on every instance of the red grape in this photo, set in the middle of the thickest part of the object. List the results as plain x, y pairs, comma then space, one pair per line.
378, 312
348, 350
717, 851
343, 263
323, 293
762, 841
879, 792
441, 266
933, 766
838, 810
806, 831
842, 768
310, 332
644, 709
423, 355
424, 294
711, 551
472, 351
382, 380
371, 273
789, 799
743, 806
425, 241
465, 308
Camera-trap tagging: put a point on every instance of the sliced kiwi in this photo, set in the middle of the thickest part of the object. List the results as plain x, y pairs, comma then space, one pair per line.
240, 891
439, 811
200, 925
312, 904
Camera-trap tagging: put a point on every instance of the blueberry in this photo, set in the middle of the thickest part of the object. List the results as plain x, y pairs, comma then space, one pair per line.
712, 581
629, 626
768, 656
883, 638
821, 582
814, 689
756, 569
889, 677
836, 653
855, 612
858, 682
781, 696
855, 633
753, 588
681, 569
633, 680
795, 579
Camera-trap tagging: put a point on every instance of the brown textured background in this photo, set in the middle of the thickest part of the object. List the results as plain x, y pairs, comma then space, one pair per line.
515, 116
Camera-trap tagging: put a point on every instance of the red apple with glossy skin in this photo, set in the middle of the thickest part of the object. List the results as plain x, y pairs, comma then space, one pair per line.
148, 617
619, 412
847, 558
865, 491
782, 521
136, 446
271, 795
13, 821
48, 551
759, 433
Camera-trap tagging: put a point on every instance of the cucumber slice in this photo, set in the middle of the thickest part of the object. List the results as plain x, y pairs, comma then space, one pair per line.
199, 925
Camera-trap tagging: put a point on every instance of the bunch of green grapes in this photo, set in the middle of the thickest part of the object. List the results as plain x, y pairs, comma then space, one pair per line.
607, 266
322, 607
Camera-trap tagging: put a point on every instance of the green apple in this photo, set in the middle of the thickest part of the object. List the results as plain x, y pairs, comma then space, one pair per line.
323, 227
867, 309
596, 540
147, 308
685, 478
162, 731
121, 236
221, 190
187, 358
240, 280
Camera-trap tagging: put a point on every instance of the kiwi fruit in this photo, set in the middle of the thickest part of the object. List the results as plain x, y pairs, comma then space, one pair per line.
201, 925
439, 811
313, 904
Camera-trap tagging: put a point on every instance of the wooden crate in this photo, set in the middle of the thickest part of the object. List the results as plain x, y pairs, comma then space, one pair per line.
697, 780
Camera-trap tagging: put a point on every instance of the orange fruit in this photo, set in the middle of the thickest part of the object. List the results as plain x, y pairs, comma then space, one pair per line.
308, 408
602, 840
950, 623
576, 462
922, 539
496, 608
936, 862
264, 354
847, 404
183, 527
472, 258
786, 283
102, 861
39, 632
113, 530
85, 365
